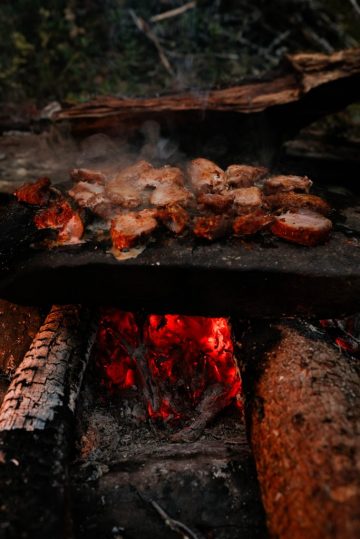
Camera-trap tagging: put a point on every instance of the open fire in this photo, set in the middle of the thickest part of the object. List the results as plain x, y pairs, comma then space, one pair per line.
183, 366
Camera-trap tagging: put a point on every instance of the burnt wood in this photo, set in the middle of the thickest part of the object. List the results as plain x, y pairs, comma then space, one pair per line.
35, 427
303, 399
18, 326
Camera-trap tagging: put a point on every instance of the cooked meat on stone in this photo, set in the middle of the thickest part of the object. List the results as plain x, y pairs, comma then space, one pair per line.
158, 176
304, 227
169, 193
125, 193
174, 217
247, 199
214, 202
133, 172
205, 176
88, 195
128, 228
291, 201
36, 193
244, 175
60, 216
250, 223
212, 227
87, 175
278, 184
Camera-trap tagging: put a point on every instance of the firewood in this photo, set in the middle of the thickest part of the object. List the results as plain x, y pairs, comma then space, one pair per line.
298, 76
36, 423
302, 403
18, 326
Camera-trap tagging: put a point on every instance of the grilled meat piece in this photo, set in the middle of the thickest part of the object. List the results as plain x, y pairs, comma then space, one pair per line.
212, 227
246, 199
250, 223
293, 201
60, 216
214, 202
205, 176
128, 228
281, 184
156, 177
87, 175
125, 193
170, 193
304, 227
244, 175
88, 195
174, 217
36, 193
133, 172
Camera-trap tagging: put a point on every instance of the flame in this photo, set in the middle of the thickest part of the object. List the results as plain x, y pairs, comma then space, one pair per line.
172, 359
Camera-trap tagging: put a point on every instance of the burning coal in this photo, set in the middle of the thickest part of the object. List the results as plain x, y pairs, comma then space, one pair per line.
182, 366
345, 333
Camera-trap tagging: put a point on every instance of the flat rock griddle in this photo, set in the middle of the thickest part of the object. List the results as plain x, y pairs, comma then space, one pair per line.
261, 277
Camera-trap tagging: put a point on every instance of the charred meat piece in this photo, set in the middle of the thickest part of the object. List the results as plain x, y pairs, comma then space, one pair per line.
246, 199
36, 193
278, 184
205, 176
304, 227
293, 201
212, 227
250, 223
214, 202
60, 216
170, 193
244, 175
128, 228
174, 217
87, 175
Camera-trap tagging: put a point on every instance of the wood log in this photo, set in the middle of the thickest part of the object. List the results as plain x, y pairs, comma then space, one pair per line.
35, 425
302, 408
299, 75
18, 326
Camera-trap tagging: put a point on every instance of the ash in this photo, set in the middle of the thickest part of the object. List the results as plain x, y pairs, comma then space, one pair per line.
130, 480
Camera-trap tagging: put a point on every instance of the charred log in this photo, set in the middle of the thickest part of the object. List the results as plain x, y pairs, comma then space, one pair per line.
303, 400
35, 423
18, 326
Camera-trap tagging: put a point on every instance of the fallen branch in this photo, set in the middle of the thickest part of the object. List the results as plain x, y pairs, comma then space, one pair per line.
144, 27
173, 12
291, 86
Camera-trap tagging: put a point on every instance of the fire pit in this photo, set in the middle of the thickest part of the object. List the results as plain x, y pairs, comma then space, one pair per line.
133, 414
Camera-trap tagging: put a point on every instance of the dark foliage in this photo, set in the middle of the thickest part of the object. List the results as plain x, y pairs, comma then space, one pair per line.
70, 49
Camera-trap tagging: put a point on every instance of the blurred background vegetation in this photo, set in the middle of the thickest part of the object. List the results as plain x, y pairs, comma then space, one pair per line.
74, 49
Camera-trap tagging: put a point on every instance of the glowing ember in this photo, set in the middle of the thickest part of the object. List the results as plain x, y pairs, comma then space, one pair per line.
181, 365
345, 332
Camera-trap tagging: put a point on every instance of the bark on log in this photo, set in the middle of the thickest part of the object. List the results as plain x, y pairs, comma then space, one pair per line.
18, 326
35, 426
303, 402
301, 74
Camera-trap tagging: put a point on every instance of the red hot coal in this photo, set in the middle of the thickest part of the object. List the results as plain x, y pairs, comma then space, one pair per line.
183, 366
